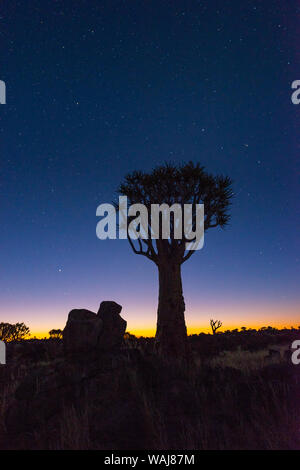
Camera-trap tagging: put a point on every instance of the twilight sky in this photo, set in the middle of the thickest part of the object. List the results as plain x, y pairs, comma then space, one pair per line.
98, 89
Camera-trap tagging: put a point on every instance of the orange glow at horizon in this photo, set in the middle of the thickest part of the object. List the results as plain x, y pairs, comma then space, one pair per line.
192, 330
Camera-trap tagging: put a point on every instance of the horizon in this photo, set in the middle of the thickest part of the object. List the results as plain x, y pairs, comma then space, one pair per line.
193, 330
149, 330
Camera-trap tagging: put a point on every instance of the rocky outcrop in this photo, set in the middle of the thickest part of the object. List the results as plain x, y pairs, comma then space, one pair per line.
114, 326
82, 331
109, 308
87, 331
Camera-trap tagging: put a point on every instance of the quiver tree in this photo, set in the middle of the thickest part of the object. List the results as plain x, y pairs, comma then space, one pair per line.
171, 184
215, 325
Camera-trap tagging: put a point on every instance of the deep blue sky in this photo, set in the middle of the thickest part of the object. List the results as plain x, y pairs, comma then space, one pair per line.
98, 89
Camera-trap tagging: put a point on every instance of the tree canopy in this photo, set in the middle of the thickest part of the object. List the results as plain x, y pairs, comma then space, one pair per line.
170, 184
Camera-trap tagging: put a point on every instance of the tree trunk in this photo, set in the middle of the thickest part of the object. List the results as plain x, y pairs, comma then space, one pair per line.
171, 335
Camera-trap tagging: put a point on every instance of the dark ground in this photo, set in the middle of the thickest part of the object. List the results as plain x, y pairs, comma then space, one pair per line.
233, 394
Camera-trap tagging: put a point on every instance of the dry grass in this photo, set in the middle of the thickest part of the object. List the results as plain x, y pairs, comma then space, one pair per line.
226, 402
74, 428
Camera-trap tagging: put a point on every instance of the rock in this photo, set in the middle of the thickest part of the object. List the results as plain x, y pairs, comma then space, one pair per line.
109, 307
114, 326
82, 331
85, 331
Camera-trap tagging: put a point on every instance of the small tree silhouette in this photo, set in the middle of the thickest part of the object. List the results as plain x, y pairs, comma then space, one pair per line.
215, 325
55, 334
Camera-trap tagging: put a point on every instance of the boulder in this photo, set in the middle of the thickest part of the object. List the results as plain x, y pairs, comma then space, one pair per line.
82, 331
114, 326
109, 307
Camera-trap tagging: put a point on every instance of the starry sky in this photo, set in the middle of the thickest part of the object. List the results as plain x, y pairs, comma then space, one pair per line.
98, 89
